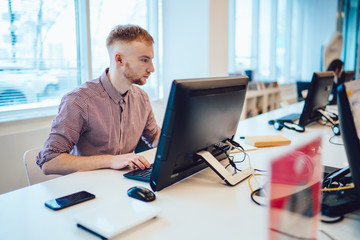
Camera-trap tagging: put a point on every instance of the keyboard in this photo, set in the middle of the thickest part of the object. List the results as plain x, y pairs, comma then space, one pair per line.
139, 174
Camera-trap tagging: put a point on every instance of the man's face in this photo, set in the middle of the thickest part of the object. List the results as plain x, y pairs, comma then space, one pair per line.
138, 62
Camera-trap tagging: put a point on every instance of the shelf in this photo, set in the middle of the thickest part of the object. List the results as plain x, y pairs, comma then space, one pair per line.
260, 101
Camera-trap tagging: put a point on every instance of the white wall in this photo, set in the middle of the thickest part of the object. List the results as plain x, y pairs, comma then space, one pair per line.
313, 42
15, 138
194, 39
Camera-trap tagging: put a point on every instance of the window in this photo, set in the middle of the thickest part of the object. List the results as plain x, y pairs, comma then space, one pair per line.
104, 15
40, 55
351, 54
281, 40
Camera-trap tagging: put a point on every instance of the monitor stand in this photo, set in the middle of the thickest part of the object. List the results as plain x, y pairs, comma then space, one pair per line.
327, 117
229, 178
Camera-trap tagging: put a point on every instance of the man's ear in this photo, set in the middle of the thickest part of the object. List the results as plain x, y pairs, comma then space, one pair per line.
119, 59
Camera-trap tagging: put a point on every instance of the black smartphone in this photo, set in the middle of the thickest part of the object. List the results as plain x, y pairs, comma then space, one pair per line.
69, 200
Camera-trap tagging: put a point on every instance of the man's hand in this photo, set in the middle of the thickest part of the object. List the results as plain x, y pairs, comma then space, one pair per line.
130, 160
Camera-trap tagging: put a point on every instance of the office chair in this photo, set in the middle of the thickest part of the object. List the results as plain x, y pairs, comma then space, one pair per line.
141, 146
33, 172
35, 175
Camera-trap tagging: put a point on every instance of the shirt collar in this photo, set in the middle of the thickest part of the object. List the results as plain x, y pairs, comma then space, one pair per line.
109, 88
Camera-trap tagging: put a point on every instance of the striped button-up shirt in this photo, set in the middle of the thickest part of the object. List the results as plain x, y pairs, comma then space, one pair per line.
95, 119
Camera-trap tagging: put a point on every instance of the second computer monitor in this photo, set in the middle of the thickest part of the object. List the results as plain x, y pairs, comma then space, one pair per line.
317, 98
349, 115
346, 76
201, 114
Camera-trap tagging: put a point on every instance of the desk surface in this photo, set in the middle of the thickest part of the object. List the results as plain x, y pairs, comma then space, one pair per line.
199, 207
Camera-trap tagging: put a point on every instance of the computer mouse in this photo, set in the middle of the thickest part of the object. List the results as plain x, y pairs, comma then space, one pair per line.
141, 193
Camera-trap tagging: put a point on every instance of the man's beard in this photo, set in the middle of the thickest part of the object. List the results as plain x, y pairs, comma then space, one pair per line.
132, 76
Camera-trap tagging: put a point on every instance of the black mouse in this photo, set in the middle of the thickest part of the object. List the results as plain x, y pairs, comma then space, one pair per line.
141, 193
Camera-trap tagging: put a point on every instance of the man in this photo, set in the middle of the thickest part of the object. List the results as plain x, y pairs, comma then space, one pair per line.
337, 67
100, 123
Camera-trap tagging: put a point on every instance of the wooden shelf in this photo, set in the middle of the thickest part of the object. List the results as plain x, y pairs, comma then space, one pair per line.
260, 101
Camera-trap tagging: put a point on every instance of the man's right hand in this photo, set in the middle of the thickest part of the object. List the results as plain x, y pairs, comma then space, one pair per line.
130, 160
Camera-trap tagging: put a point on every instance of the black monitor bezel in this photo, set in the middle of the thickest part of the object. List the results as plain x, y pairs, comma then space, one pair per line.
349, 134
346, 76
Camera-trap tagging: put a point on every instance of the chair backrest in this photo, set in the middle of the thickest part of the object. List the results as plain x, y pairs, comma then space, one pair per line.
33, 172
141, 146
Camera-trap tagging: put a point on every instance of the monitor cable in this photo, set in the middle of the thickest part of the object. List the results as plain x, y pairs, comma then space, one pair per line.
335, 143
287, 235
333, 220
291, 236
331, 118
231, 160
236, 145
337, 178
332, 115
256, 192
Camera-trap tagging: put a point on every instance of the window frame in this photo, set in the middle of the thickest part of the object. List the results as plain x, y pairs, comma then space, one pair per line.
84, 63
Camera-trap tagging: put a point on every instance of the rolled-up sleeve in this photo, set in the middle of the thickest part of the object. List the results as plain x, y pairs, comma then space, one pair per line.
66, 128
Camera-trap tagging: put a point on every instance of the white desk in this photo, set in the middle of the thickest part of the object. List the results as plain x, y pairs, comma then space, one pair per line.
199, 207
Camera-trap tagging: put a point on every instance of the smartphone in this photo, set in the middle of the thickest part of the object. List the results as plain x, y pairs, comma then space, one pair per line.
69, 200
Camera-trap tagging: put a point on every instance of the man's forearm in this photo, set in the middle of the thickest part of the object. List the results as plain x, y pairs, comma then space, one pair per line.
66, 163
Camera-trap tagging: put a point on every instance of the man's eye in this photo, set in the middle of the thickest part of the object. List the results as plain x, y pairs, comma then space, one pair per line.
145, 60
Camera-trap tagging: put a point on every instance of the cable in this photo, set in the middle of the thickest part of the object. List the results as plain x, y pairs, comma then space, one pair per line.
336, 220
337, 189
236, 145
230, 158
337, 180
326, 234
249, 180
332, 115
230, 142
290, 236
259, 170
253, 199
330, 141
326, 182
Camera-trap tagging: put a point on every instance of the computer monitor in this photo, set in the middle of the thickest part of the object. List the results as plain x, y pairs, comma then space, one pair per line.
346, 76
201, 114
340, 202
317, 98
349, 116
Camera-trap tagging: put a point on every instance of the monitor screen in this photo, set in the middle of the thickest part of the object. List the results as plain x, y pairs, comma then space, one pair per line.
317, 98
201, 114
349, 116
